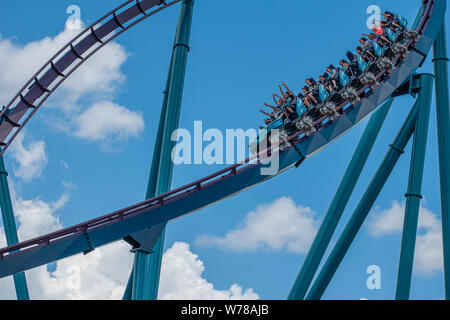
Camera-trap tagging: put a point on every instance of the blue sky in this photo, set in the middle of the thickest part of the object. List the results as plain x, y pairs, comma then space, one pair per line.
239, 54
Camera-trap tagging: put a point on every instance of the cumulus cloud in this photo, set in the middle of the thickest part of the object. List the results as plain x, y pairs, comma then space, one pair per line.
97, 79
101, 74
99, 275
88, 92
181, 279
108, 121
37, 217
31, 158
280, 224
103, 273
22, 61
428, 251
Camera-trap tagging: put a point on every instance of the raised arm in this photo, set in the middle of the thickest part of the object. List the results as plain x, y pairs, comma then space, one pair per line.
288, 90
267, 114
268, 105
274, 96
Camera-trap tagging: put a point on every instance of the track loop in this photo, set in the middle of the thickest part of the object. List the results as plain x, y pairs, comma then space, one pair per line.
67, 60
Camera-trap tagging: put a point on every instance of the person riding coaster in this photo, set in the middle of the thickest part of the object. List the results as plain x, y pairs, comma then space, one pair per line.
267, 135
398, 23
368, 68
339, 85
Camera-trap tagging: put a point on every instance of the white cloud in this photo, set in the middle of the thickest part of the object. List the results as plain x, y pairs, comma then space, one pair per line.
101, 74
280, 224
103, 273
31, 159
23, 61
98, 78
181, 279
82, 95
64, 164
428, 251
108, 121
37, 217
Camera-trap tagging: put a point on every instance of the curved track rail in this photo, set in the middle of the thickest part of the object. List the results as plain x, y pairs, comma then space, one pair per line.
75, 53
86, 236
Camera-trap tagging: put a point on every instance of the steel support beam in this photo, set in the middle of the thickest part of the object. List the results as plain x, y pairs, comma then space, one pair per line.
337, 206
147, 264
413, 195
151, 185
181, 49
351, 229
128, 289
9, 224
443, 128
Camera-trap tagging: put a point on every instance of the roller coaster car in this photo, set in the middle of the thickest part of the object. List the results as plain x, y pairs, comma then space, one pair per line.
407, 34
351, 87
268, 135
369, 71
349, 92
399, 41
386, 57
306, 117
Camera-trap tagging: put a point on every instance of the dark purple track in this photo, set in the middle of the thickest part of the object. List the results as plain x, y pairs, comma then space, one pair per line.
39, 88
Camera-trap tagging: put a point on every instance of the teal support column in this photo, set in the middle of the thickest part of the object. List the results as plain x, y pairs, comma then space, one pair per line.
413, 195
181, 49
144, 279
137, 294
337, 206
443, 128
363, 208
140, 277
9, 225
174, 98
128, 289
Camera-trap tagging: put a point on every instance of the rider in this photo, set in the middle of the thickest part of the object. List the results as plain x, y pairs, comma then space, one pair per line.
349, 71
381, 40
271, 115
392, 21
354, 67
325, 81
334, 77
275, 109
367, 48
313, 91
304, 97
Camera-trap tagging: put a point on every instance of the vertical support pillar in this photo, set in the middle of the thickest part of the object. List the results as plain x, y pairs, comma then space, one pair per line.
129, 287
337, 206
443, 128
413, 195
147, 265
180, 53
9, 224
140, 277
153, 177
359, 215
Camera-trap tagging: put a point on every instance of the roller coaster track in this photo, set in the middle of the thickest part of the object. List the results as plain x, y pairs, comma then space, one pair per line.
74, 54
225, 183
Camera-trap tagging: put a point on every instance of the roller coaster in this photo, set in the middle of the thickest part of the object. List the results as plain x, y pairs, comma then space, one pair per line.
142, 225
